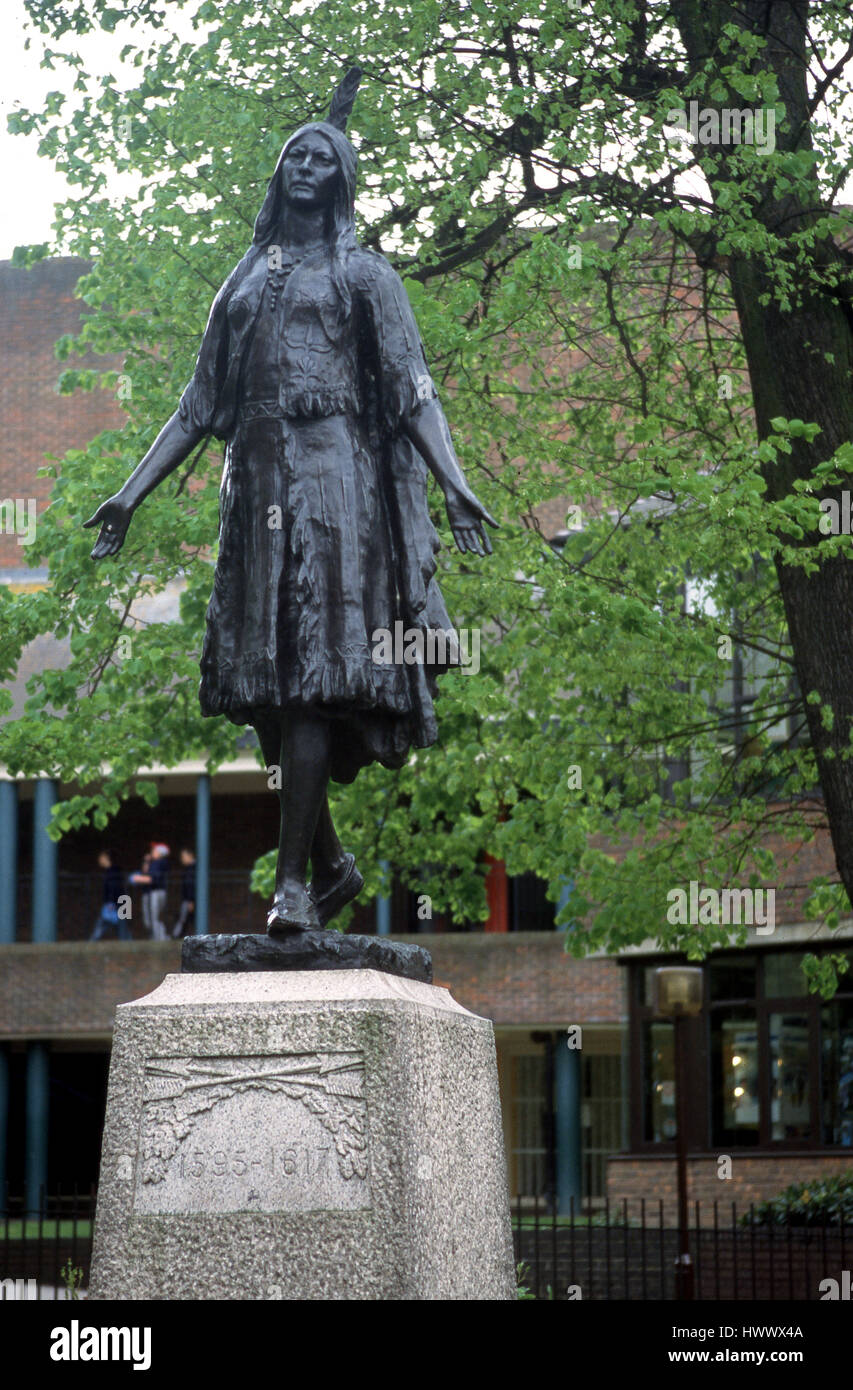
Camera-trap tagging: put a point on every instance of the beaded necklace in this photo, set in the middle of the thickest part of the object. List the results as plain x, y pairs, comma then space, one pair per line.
277, 275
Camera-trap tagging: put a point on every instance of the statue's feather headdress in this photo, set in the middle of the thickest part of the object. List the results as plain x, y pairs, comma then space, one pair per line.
342, 101
334, 129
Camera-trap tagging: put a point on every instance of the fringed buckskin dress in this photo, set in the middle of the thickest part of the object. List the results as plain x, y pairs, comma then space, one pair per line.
308, 371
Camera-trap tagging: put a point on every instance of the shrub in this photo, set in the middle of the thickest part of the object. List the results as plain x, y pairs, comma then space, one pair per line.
826, 1201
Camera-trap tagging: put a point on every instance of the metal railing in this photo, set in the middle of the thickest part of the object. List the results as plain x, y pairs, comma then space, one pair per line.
627, 1251
46, 1249
624, 1251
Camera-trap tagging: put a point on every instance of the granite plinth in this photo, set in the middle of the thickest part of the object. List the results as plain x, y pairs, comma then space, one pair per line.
310, 950
302, 1135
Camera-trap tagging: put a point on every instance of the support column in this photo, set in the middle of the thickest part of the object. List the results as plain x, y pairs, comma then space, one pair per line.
4, 1120
566, 894
8, 861
567, 1105
383, 907
202, 856
37, 1108
45, 862
497, 895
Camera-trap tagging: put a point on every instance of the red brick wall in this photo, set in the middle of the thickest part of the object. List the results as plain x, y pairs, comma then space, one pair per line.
755, 1177
72, 988
36, 307
525, 978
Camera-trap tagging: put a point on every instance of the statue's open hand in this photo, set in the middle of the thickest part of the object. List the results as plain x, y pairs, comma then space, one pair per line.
113, 516
466, 516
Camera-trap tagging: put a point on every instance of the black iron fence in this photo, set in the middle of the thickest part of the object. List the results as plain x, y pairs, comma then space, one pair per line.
628, 1251
620, 1252
46, 1249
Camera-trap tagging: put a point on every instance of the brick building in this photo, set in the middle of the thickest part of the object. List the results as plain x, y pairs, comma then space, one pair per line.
773, 1068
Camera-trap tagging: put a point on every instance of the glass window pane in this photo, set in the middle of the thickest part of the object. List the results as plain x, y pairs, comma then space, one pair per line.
529, 1104
845, 982
734, 1076
783, 975
647, 984
659, 1082
837, 1049
530, 909
789, 1076
732, 977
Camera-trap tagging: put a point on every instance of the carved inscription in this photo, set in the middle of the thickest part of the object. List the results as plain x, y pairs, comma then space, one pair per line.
285, 1133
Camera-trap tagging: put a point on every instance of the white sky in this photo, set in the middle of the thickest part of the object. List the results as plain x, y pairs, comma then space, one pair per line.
33, 185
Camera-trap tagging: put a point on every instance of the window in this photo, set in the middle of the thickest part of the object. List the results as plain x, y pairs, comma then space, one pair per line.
530, 1102
783, 975
529, 908
731, 978
659, 1087
790, 1101
734, 1073
837, 1071
601, 1115
773, 1065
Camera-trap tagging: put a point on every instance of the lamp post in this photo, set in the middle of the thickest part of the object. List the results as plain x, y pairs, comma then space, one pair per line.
678, 996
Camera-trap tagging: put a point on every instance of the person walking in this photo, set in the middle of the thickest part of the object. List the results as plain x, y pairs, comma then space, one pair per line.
141, 879
159, 875
186, 918
109, 917
152, 880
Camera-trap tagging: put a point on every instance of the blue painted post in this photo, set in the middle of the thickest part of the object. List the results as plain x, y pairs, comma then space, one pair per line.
202, 856
383, 908
45, 862
567, 1108
8, 861
4, 1119
566, 892
37, 1108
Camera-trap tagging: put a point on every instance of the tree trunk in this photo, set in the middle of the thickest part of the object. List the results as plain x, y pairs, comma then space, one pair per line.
792, 376
788, 379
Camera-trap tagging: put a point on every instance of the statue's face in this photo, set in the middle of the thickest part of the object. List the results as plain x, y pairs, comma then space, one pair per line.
309, 171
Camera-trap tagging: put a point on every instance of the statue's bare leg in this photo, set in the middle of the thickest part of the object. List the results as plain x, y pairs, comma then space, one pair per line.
327, 854
335, 880
268, 729
297, 746
304, 762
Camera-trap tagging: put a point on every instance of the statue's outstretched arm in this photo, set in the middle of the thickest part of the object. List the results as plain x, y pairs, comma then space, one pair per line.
173, 444
427, 428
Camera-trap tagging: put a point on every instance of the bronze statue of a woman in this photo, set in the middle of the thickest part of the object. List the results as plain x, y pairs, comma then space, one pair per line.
312, 371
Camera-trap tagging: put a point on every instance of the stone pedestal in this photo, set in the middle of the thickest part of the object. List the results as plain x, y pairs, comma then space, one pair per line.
302, 1135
